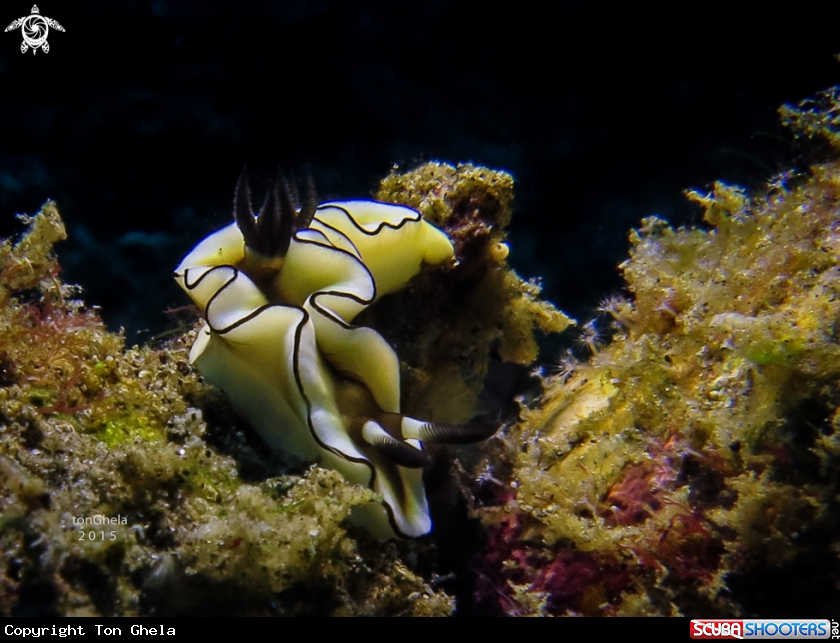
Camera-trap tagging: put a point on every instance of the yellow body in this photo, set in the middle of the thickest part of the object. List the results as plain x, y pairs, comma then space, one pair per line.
279, 340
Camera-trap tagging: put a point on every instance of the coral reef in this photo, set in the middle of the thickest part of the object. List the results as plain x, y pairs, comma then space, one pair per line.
128, 487
689, 465
183, 516
448, 327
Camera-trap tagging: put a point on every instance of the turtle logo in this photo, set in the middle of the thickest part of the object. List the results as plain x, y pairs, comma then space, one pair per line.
35, 28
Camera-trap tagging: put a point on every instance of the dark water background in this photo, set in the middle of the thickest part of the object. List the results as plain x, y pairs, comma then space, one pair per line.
141, 116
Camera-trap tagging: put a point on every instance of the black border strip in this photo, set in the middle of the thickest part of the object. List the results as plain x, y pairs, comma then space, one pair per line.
389, 510
383, 224
400, 487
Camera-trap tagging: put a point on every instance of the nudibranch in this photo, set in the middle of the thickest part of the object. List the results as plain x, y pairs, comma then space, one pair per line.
279, 291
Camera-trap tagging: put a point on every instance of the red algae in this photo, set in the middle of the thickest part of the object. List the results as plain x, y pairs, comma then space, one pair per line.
697, 451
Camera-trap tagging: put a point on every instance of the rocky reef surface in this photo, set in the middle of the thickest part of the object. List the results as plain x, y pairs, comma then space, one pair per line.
128, 487
681, 459
688, 464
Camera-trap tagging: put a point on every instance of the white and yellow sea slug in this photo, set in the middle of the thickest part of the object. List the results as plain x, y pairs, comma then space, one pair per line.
279, 292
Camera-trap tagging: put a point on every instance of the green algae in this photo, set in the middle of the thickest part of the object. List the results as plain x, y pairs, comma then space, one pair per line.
205, 519
117, 497
696, 451
127, 429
